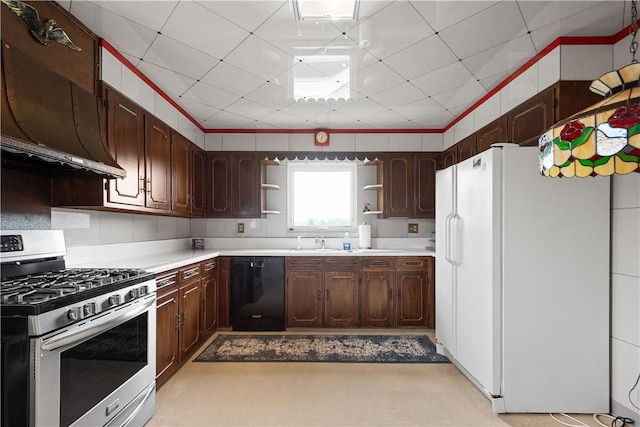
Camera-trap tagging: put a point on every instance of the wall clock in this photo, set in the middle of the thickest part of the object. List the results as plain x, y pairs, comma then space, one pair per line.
321, 138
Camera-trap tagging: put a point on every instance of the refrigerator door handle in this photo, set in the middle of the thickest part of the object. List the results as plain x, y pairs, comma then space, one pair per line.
447, 240
455, 239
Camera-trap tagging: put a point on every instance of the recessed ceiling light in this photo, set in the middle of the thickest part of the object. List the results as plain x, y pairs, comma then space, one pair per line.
325, 10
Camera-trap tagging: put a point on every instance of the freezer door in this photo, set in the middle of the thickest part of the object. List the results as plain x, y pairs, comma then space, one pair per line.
477, 240
445, 209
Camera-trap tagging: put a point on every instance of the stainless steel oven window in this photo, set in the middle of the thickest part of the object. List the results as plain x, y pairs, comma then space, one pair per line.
87, 373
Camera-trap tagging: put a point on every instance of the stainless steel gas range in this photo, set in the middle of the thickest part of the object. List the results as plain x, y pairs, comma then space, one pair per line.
78, 345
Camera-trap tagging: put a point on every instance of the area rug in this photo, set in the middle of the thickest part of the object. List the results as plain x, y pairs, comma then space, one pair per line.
322, 348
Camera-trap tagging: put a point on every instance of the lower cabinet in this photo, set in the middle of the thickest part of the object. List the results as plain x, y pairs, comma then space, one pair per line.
351, 292
186, 314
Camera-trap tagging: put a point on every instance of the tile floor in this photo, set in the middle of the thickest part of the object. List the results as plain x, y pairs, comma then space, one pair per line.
329, 394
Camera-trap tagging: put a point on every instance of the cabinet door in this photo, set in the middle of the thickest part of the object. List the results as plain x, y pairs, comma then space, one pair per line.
198, 177
411, 298
424, 182
341, 305
304, 298
224, 266
158, 162
449, 157
532, 118
190, 317
466, 148
398, 185
180, 173
125, 138
493, 133
246, 184
167, 324
209, 297
219, 192
377, 299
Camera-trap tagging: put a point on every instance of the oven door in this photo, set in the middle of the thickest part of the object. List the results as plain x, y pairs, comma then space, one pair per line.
98, 370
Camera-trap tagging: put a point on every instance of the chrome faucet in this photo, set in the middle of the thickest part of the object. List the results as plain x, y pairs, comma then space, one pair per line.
321, 241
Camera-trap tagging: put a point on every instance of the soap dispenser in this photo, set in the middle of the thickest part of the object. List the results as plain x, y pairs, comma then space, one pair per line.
346, 244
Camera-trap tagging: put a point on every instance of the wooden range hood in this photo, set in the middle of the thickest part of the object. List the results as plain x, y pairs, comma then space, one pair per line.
49, 122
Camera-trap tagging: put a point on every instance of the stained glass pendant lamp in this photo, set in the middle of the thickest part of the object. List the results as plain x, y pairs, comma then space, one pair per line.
603, 139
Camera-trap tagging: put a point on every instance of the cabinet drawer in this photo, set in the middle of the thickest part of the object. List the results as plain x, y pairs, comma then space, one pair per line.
347, 263
208, 267
412, 263
165, 281
189, 273
378, 263
304, 263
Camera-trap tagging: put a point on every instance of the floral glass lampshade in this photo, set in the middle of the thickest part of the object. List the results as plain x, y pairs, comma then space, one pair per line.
602, 139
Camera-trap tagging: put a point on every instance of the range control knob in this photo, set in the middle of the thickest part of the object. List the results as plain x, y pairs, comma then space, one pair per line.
114, 300
89, 309
74, 313
144, 290
134, 293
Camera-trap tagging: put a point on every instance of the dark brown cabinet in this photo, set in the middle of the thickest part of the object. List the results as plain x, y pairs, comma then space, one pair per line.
157, 158
210, 302
180, 173
198, 179
410, 185
167, 326
224, 276
466, 148
233, 185
414, 292
530, 119
378, 277
493, 133
449, 157
342, 292
304, 291
189, 295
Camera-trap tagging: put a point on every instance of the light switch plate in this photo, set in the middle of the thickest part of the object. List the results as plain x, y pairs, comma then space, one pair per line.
413, 228
241, 227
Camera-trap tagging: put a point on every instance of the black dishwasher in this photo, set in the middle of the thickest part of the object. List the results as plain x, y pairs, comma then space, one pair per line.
257, 294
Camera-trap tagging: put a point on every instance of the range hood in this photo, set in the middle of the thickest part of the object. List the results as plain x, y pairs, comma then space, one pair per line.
50, 123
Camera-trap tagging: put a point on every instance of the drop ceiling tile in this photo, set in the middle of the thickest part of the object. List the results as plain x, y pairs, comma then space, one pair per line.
494, 80
435, 120
261, 10
539, 14
420, 58
132, 59
210, 95
260, 58
375, 79
282, 120
443, 79
232, 79
272, 95
385, 119
443, 14
205, 31
173, 55
488, 28
125, 35
334, 120
381, 35
227, 120
137, 11
506, 56
282, 30
306, 109
250, 109
418, 109
366, 10
362, 108
463, 95
167, 80
404, 93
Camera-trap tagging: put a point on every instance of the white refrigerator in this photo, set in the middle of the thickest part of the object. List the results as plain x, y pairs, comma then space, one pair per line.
522, 282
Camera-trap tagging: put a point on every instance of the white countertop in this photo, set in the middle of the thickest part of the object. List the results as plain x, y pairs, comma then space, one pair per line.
164, 261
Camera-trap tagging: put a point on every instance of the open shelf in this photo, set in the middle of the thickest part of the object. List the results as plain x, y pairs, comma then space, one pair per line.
372, 213
265, 212
372, 187
270, 186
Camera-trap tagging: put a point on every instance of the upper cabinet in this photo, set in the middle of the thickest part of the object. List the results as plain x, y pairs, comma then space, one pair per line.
525, 123
234, 187
409, 185
198, 179
156, 158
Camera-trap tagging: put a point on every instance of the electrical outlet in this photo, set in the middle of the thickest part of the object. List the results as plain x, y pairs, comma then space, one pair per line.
241, 227
413, 228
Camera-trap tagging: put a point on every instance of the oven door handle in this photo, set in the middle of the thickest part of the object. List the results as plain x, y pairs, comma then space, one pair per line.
101, 325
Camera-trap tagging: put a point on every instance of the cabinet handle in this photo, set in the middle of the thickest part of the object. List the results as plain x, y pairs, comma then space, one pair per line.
398, 293
209, 266
149, 186
327, 294
413, 263
166, 282
319, 294
390, 294
177, 322
191, 273
141, 187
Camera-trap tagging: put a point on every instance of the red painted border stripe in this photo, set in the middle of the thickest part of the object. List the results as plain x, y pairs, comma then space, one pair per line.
560, 41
